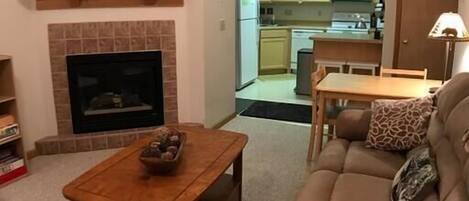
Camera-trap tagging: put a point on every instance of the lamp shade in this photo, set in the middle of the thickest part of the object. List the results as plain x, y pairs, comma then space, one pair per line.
449, 27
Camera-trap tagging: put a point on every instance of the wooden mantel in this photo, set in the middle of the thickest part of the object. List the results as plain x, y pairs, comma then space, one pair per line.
64, 4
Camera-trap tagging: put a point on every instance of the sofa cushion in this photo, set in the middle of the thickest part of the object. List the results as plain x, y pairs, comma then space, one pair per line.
342, 156
353, 125
333, 156
432, 197
435, 131
319, 186
449, 168
451, 94
372, 162
358, 187
399, 125
452, 158
324, 185
456, 127
459, 193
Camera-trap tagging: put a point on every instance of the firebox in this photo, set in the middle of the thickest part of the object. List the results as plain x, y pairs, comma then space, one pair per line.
115, 91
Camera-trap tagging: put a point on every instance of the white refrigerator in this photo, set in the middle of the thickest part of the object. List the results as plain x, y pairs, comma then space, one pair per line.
247, 42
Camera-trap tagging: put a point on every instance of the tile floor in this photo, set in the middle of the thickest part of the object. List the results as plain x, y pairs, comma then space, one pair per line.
275, 88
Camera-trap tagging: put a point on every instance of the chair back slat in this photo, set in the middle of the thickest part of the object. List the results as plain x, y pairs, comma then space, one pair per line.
404, 72
316, 77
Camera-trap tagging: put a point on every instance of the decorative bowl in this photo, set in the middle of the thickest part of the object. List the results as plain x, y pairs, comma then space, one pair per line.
156, 165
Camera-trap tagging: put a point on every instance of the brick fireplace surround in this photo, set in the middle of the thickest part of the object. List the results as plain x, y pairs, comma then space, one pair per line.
105, 37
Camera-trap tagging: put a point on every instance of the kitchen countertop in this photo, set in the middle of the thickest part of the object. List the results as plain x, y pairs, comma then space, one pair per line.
346, 37
339, 37
292, 27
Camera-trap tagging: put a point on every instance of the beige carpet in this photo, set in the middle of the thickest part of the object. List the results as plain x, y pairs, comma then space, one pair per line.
274, 165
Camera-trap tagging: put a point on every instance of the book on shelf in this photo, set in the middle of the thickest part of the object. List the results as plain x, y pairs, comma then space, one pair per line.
11, 169
6, 120
6, 153
8, 131
11, 166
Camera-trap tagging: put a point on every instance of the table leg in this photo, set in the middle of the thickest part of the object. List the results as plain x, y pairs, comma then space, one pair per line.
238, 174
312, 136
320, 120
311, 142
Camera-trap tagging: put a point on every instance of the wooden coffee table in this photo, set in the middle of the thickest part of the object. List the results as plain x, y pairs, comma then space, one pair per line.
199, 176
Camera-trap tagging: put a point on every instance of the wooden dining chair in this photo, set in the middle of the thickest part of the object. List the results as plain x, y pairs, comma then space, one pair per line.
404, 72
332, 111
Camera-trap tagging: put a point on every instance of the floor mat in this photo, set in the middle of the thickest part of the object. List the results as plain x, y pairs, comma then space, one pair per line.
279, 111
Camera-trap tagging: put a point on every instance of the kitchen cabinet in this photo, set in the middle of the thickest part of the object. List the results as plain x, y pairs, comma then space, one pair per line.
295, 1
320, 1
274, 51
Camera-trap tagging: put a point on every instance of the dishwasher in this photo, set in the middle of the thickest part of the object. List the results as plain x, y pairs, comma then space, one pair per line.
300, 40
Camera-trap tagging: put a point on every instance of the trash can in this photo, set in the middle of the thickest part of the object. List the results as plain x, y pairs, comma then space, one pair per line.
303, 74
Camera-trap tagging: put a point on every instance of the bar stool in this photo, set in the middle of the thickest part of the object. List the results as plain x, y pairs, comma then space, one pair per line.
363, 66
331, 63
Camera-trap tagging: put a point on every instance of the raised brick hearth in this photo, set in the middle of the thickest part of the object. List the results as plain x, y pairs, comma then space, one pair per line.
105, 37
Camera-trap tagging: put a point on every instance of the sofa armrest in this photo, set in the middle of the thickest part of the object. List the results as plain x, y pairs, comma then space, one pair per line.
353, 124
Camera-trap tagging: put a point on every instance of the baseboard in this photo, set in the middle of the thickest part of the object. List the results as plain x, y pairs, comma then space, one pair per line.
31, 154
224, 121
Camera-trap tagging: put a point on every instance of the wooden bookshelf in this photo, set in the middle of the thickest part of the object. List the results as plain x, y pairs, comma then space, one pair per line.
5, 58
9, 139
8, 105
4, 99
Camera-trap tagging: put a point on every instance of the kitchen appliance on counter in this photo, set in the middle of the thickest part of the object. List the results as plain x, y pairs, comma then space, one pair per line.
247, 37
349, 21
300, 40
379, 10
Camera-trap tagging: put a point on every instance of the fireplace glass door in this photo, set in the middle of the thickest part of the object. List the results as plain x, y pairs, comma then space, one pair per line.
115, 91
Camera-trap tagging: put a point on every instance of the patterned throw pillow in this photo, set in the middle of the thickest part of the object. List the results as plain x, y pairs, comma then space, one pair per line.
417, 177
399, 125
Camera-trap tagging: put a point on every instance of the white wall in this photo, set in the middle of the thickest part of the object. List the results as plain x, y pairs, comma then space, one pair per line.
461, 57
220, 61
389, 33
24, 36
16, 39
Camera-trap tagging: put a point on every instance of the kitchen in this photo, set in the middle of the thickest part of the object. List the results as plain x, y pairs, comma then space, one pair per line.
277, 67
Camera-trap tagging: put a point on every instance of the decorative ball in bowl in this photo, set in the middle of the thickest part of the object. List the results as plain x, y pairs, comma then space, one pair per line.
164, 152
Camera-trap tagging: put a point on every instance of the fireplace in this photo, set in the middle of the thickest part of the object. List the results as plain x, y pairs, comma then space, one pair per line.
118, 117
115, 91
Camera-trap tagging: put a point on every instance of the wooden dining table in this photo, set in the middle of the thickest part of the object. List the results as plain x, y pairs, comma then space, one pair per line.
338, 86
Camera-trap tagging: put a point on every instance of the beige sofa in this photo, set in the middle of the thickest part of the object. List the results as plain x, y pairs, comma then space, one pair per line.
347, 171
